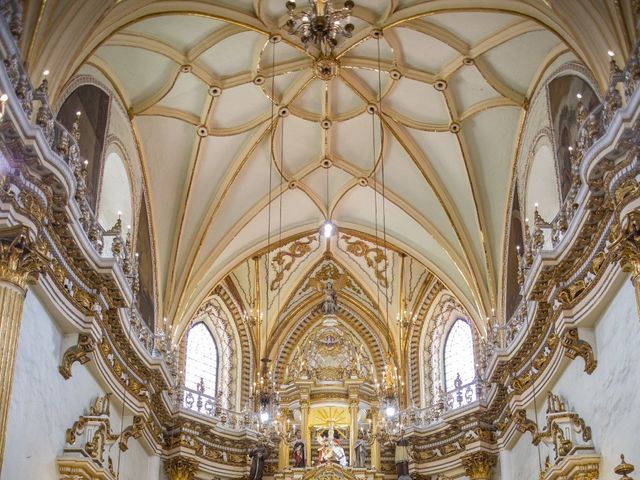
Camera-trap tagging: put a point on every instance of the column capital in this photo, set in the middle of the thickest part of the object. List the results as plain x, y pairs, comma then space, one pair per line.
478, 466
21, 259
626, 244
181, 468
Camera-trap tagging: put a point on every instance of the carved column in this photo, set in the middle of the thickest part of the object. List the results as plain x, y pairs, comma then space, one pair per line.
353, 429
478, 466
19, 266
375, 445
181, 468
306, 432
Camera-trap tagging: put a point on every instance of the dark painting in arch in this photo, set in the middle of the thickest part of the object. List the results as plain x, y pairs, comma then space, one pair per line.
563, 100
93, 105
516, 236
146, 304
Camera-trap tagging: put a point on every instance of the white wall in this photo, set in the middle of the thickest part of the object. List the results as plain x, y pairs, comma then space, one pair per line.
44, 405
608, 399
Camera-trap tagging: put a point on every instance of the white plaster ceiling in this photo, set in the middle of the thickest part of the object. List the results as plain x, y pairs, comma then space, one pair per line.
446, 193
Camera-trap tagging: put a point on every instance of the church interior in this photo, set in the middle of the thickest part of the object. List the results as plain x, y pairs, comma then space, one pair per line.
319, 239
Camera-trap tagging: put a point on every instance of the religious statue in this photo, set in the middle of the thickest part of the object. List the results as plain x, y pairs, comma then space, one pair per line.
402, 458
360, 448
299, 454
330, 450
258, 457
330, 302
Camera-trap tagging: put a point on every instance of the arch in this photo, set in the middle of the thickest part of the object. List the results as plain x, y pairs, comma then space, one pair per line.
201, 360
146, 300
540, 189
92, 103
562, 92
458, 362
115, 192
515, 241
443, 313
215, 314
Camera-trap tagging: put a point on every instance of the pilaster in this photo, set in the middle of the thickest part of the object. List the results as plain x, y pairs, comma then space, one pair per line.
20, 263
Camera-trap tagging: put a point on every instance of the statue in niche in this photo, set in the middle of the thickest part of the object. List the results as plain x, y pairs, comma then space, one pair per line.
360, 448
258, 457
330, 302
299, 452
402, 458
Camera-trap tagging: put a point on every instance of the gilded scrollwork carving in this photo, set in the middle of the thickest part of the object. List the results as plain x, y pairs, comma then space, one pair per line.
285, 258
181, 468
91, 434
523, 424
565, 431
374, 256
575, 347
478, 466
21, 260
76, 353
626, 245
132, 431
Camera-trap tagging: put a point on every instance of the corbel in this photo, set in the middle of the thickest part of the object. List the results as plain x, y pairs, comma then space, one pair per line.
574, 347
132, 431
76, 353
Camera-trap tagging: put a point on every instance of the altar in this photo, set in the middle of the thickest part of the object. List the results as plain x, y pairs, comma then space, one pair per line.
329, 471
328, 412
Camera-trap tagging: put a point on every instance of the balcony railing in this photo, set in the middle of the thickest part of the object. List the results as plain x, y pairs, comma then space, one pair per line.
196, 401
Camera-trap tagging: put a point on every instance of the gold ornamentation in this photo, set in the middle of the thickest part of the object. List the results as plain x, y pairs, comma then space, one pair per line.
284, 260
478, 465
626, 246
623, 469
21, 260
574, 347
181, 468
523, 424
76, 353
92, 432
132, 431
375, 257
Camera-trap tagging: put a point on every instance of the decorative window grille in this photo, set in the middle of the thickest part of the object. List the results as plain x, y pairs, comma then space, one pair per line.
459, 365
201, 366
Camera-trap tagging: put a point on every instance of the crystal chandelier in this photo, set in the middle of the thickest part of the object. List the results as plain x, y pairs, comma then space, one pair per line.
321, 25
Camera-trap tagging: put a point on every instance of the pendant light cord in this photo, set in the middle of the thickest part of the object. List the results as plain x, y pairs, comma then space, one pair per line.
271, 159
384, 216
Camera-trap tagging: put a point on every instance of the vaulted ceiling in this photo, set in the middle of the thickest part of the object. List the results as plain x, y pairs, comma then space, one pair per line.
202, 89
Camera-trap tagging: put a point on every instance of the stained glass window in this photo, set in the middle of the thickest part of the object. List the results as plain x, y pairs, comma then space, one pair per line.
458, 355
202, 360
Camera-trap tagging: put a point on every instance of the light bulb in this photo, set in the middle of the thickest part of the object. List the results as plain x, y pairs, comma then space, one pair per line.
264, 417
327, 229
4, 97
579, 96
45, 73
390, 411
610, 53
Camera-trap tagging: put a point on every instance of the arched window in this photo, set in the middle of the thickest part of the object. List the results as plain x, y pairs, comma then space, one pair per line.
459, 364
115, 194
201, 366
